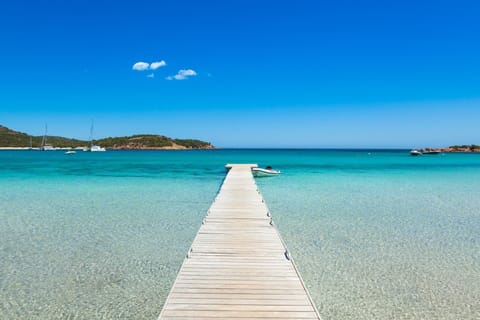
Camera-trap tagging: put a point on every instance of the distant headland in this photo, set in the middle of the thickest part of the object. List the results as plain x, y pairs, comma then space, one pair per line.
456, 148
14, 139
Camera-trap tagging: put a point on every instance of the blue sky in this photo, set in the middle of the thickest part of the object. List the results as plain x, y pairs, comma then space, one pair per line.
258, 73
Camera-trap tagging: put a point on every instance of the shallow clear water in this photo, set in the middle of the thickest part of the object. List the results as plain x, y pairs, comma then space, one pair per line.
375, 234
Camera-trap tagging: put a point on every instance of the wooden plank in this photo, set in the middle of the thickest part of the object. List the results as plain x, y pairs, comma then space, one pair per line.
222, 301
240, 314
268, 294
234, 307
238, 294
237, 266
216, 318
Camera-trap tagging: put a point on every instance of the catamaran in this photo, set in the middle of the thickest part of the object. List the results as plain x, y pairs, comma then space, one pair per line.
95, 148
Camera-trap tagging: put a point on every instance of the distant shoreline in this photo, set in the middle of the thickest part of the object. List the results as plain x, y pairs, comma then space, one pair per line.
454, 149
109, 149
14, 140
441, 150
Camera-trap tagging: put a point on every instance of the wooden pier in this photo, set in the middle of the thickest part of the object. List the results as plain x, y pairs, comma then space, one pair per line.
238, 265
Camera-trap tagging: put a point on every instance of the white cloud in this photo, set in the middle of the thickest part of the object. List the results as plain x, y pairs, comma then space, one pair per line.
151, 75
157, 64
140, 66
182, 75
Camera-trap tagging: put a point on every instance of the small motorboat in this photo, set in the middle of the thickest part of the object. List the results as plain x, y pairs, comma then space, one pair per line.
427, 151
71, 152
416, 152
267, 172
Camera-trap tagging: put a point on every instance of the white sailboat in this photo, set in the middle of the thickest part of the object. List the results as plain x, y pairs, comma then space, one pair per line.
95, 148
92, 147
45, 146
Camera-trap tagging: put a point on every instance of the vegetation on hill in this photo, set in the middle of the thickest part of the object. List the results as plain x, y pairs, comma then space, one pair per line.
61, 142
11, 138
135, 141
465, 147
145, 141
191, 143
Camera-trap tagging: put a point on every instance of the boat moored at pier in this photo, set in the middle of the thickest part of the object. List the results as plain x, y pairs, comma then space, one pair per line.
267, 172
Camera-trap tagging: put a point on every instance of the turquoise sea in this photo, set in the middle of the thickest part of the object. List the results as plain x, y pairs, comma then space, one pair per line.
375, 234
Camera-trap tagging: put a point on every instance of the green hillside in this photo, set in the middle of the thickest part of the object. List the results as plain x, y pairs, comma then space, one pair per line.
144, 141
11, 138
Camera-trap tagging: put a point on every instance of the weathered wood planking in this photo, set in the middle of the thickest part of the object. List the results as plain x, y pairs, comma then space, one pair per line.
238, 265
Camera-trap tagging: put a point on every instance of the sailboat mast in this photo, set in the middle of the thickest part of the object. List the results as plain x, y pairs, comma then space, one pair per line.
44, 139
91, 135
